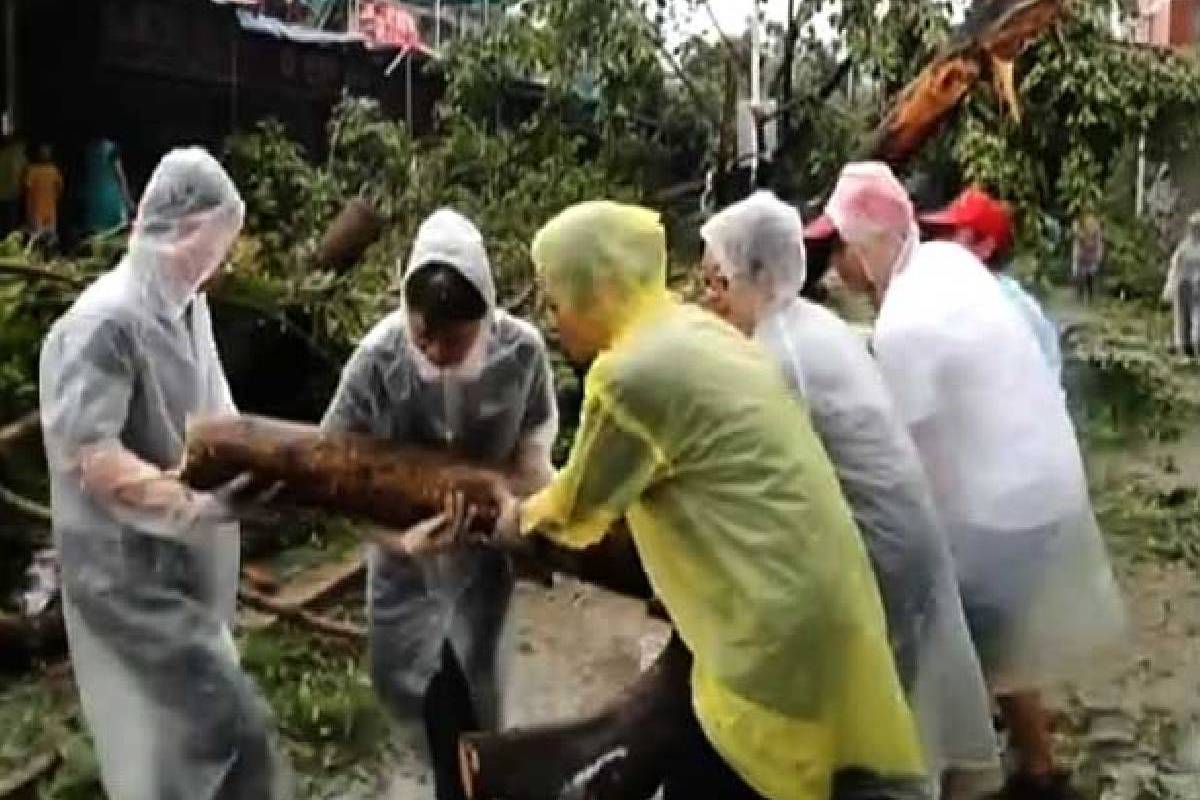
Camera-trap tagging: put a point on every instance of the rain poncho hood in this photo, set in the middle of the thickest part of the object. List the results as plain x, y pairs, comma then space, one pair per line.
689, 433
603, 250
187, 221
447, 237
867, 202
760, 239
149, 582
827, 365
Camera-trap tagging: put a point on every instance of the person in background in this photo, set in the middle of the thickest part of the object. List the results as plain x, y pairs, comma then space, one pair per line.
754, 268
689, 434
449, 370
43, 193
984, 226
13, 161
1087, 255
106, 197
1182, 289
988, 420
149, 566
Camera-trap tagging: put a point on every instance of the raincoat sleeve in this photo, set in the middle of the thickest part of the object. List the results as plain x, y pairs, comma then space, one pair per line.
612, 462
911, 362
88, 375
532, 468
354, 408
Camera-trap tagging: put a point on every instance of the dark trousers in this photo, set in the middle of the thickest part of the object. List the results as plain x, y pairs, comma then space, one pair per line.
697, 770
448, 713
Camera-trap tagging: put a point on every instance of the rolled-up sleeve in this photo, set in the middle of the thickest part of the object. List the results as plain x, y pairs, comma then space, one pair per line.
612, 462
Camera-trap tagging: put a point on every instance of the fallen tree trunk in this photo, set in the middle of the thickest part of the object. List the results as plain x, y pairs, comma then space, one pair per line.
340, 473
619, 754
388, 485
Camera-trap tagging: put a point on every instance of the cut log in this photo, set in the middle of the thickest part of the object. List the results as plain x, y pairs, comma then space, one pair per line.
341, 473
619, 754
352, 231
388, 485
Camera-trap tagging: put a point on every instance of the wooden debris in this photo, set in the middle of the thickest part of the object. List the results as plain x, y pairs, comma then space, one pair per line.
337, 629
30, 773
619, 754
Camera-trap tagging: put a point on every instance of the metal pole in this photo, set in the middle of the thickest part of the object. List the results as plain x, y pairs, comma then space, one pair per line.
437, 25
408, 92
1139, 197
10, 62
755, 94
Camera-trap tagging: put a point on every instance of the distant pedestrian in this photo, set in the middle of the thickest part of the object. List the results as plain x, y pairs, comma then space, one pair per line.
1087, 256
1182, 289
43, 186
12, 167
106, 198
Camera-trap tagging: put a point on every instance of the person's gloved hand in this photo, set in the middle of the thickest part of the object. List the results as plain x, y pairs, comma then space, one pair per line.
230, 502
439, 532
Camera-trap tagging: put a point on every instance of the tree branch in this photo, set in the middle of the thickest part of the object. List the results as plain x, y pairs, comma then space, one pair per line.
20, 268
28, 507
736, 54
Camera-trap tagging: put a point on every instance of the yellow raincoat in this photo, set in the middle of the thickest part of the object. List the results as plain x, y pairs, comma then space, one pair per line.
690, 433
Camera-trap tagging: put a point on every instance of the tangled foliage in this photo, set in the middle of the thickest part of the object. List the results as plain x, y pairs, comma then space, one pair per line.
1123, 387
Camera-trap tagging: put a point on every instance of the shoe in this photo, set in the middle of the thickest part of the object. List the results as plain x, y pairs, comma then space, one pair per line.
1055, 786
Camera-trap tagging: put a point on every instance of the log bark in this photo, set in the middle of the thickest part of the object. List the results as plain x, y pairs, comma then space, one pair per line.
391, 486
341, 473
619, 754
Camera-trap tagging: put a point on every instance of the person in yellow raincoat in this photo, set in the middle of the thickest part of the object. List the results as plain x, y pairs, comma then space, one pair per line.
690, 434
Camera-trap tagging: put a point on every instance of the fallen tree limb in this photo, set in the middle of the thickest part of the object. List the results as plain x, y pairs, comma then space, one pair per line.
30, 773
20, 432
989, 40
321, 624
322, 580
23, 269
24, 505
619, 754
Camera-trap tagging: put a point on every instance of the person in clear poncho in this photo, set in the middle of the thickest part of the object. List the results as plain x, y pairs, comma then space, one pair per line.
448, 370
1182, 290
754, 268
149, 567
689, 433
990, 424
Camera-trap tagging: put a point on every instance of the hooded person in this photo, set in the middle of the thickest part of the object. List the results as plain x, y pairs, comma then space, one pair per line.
754, 265
989, 423
984, 225
149, 567
690, 435
1182, 290
447, 370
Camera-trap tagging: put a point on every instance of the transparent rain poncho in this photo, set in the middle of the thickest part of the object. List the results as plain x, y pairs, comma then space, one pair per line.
690, 434
1182, 288
497, 408
150, 568
759, 243
990, 424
